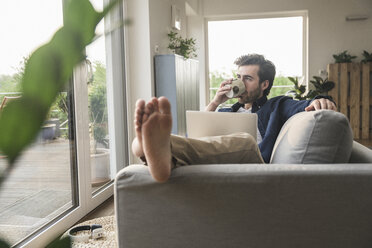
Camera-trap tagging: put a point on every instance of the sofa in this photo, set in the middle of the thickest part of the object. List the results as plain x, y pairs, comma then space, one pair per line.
316, 192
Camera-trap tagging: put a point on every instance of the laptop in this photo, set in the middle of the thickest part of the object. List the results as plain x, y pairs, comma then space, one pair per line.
205, 123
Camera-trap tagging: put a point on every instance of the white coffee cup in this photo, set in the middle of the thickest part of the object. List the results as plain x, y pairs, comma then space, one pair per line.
237, 88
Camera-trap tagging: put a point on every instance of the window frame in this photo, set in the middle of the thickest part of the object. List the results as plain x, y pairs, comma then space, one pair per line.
305, 37
83, 199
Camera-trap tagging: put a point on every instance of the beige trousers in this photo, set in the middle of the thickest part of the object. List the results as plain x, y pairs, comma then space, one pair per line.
237, 148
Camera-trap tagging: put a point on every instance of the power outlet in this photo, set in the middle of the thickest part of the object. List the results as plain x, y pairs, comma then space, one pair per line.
156, 49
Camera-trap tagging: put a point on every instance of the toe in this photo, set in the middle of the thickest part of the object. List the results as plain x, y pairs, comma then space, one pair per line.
145, 117
164, 105
149, 108
140, 103
155, 102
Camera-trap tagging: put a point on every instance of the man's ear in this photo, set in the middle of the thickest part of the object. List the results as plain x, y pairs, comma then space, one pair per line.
264, 85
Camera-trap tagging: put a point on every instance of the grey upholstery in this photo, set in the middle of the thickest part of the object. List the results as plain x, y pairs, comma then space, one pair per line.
360, 154
251, 205
314, 137
246, 206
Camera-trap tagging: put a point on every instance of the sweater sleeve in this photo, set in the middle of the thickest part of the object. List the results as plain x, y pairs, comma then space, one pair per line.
273, 116
291, 107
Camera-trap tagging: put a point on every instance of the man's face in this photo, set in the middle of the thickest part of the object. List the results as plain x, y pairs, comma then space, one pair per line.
254, 90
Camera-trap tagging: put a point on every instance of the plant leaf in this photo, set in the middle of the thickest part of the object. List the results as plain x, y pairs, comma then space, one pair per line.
293, 80
319, 79
4, 244
46, 72
327, 86
20, 121
60, 243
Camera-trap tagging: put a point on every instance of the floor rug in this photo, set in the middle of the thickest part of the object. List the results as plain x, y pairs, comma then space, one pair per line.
107, 241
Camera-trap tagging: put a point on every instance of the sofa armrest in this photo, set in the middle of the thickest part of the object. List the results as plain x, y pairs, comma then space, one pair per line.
324, 205
360, 154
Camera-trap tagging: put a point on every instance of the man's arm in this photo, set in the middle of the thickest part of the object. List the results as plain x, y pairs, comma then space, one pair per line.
290, 107
220, 96
321, 103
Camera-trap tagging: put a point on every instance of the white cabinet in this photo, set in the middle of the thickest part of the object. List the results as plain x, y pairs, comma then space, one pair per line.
178, 80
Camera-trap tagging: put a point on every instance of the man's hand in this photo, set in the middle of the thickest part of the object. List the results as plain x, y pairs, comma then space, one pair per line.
220, 96
321, 103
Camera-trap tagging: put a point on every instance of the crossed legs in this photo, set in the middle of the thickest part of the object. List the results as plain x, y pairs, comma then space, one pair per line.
153, 124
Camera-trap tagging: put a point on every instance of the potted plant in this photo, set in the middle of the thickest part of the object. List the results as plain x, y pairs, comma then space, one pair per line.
298, 90
320, 87
182, 46
343, 57
100, 155
367, 57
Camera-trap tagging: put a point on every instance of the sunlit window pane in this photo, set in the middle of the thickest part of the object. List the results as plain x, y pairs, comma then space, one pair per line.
98, 113
38, 189
278, 39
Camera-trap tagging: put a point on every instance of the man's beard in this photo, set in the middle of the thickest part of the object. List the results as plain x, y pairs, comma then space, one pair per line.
250, 97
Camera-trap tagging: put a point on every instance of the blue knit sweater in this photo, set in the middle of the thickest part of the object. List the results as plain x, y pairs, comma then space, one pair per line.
272, 114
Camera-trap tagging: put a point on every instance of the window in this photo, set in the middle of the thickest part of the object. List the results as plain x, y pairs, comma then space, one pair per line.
52, 185
40, 186
279, 39
105, 88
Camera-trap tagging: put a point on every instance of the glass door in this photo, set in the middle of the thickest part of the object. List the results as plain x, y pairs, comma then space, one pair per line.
106, 101
58, 179
41, 185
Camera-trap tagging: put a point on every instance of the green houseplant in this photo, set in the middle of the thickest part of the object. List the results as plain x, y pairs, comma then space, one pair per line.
298, 90
320, 86
367, 57
100, 154
182, 46
343, 57
46, 72
97, 102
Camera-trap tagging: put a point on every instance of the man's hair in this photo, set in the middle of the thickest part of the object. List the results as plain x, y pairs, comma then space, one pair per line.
266, 68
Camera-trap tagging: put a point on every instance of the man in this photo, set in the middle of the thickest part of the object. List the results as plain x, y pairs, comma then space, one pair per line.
258, 75
162, 151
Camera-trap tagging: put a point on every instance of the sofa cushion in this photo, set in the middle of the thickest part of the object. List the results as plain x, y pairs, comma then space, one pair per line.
323, 136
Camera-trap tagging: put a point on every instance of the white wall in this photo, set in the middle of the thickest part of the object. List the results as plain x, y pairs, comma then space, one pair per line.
150, 23
329, 33
138, 57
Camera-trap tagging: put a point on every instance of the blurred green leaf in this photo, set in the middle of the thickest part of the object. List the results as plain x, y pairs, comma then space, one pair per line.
82, 19
4, 244
46, 72
60, 243
293, 80
20, 122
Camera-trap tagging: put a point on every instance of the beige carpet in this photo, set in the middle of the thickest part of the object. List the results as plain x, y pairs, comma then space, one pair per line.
109, 238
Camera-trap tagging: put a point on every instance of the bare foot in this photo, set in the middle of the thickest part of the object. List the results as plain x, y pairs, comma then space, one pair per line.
138, 119
156, 129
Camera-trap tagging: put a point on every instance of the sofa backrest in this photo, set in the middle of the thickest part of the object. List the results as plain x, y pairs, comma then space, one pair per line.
314, 137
